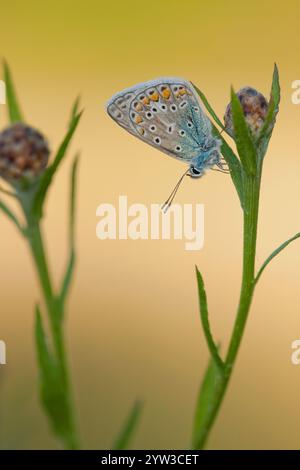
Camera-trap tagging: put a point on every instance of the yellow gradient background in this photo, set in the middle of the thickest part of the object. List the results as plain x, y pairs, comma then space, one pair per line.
133, 321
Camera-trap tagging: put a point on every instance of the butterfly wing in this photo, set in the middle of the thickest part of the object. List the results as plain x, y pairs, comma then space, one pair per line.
164, 113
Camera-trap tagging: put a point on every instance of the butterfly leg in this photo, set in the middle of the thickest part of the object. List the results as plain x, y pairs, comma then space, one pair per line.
222, 164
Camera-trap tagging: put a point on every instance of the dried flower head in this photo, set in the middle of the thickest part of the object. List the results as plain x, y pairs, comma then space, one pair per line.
255, 108
24, 152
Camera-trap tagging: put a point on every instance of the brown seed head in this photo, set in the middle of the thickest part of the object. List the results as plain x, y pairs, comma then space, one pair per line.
24, 152
255, 108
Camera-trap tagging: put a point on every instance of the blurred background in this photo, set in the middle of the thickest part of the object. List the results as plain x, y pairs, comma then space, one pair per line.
133, 324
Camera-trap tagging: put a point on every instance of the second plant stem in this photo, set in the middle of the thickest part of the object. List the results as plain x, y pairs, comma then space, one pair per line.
55, 319
250, 220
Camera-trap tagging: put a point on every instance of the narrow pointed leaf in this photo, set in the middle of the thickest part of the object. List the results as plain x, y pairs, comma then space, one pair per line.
266, 132
130, 426
230, 157
7, 211
14, 111
209, 108
70, 267
74, 110
51, 170
233, 164
205, 322
244, 141
211, 389
275, 253
52, 387
73, 192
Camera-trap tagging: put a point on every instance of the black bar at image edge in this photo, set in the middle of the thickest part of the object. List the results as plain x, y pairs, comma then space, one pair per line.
137, 458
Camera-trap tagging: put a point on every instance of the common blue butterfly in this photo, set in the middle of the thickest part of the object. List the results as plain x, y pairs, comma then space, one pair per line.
166, 113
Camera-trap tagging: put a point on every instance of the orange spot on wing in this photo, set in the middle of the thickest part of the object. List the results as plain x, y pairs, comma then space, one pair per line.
138, 120
166, 93
154, 96
146, 100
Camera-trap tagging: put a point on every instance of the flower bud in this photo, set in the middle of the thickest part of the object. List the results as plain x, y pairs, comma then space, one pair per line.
23, 152
255, 108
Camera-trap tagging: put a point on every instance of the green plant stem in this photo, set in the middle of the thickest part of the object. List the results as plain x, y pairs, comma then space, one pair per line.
250, 219
36, 243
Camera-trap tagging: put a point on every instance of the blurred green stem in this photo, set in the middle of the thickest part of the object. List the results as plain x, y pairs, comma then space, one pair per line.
35, 239
250, 219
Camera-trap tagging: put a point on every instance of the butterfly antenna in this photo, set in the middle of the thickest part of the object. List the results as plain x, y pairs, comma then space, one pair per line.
170, 199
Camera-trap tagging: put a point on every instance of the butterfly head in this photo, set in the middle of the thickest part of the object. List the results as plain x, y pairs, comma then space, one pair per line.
195, 172
208, 157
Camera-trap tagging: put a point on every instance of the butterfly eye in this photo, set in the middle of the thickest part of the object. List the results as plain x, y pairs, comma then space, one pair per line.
157, 140
173, 107
195, 172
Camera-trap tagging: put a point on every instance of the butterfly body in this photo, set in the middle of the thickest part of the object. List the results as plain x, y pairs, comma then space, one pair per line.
166, 114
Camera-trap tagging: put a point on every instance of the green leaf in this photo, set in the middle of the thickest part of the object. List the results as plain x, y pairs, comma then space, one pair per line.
275, 253
129, 427
52, 386
266, 132
74, 110
233, 164
47, 177
73, 191
230, 157
205, 322
7, 211
211, 389
243, 138
71, 263
209, 108
14, 111
67, 280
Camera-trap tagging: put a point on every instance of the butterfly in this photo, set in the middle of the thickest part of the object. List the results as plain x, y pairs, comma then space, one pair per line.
166, 113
